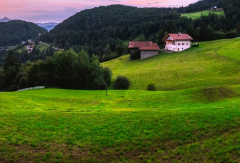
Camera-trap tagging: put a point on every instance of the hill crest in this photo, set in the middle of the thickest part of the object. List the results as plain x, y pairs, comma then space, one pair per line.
5, 19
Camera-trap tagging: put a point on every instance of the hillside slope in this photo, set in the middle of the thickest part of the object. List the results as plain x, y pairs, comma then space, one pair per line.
196, 15
13, 32
213, 63
54, 125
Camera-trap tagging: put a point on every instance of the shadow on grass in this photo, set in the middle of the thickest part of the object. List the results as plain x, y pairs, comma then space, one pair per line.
214, 94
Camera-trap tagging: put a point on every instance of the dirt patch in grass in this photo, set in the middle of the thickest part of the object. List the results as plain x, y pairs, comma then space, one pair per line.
213, 94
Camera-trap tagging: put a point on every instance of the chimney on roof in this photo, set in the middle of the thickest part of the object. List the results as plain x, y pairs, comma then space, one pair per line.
179, 33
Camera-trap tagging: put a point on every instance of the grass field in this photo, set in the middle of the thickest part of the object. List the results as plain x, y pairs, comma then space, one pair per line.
53, 125
213, 63
42, 47
11, 47
197, 15
197, 121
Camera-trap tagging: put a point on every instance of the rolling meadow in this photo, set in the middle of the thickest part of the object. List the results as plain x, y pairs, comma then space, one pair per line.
193, 117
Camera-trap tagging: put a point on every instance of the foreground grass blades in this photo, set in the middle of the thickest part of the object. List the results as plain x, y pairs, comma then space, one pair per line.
56, 125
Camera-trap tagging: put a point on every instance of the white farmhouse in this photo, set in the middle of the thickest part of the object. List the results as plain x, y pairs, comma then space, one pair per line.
177, 42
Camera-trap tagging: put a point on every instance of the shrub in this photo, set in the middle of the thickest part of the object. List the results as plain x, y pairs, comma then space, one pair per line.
151, 87
194, 45
13, 88
121, 82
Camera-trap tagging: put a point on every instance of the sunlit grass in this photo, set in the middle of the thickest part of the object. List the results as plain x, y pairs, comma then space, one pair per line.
42, 47
197, 15
213, 63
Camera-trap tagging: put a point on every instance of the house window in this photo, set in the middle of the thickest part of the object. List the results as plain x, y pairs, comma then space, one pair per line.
187, 44
183, 44
179, 44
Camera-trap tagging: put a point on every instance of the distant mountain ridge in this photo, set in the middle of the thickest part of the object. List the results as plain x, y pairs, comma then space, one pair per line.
5, 19
48, 26
15, 31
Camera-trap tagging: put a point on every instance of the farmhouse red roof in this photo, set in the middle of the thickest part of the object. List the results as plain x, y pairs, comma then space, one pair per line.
179, 36
144, 45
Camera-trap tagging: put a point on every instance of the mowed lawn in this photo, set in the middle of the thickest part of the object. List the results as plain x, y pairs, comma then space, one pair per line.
213, 63
53, 125
196, 15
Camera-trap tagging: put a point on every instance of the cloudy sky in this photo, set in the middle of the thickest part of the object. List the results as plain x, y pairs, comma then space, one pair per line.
40, 11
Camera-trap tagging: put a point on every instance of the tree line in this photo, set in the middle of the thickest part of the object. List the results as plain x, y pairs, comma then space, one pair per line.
66, 69
22, 55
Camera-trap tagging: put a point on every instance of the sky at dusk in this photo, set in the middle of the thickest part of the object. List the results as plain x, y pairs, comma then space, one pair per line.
40, 11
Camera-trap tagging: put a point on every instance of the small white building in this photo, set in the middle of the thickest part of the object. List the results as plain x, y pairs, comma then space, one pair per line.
177, 42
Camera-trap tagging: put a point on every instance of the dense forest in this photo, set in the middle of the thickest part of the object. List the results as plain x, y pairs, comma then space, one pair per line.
13, 32
104, 30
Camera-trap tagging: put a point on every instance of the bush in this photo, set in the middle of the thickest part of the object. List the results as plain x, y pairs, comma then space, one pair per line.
194, 45
13, 88
151, 87
121, 82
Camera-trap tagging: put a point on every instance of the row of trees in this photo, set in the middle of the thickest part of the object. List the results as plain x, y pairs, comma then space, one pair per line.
66, 69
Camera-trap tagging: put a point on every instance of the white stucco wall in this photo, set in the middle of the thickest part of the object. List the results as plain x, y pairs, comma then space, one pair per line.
178, 46
147, 54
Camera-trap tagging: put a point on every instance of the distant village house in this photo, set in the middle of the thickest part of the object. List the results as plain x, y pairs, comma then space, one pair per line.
143, 49
3, 48
178, 42
30, 41
29, 48
213, 8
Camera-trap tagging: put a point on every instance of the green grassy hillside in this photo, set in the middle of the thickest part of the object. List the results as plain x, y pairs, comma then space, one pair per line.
197, 15
197, 121
213, 63
52, 125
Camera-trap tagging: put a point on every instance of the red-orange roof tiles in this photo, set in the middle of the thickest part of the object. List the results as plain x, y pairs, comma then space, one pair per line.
143, 45
179, 36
